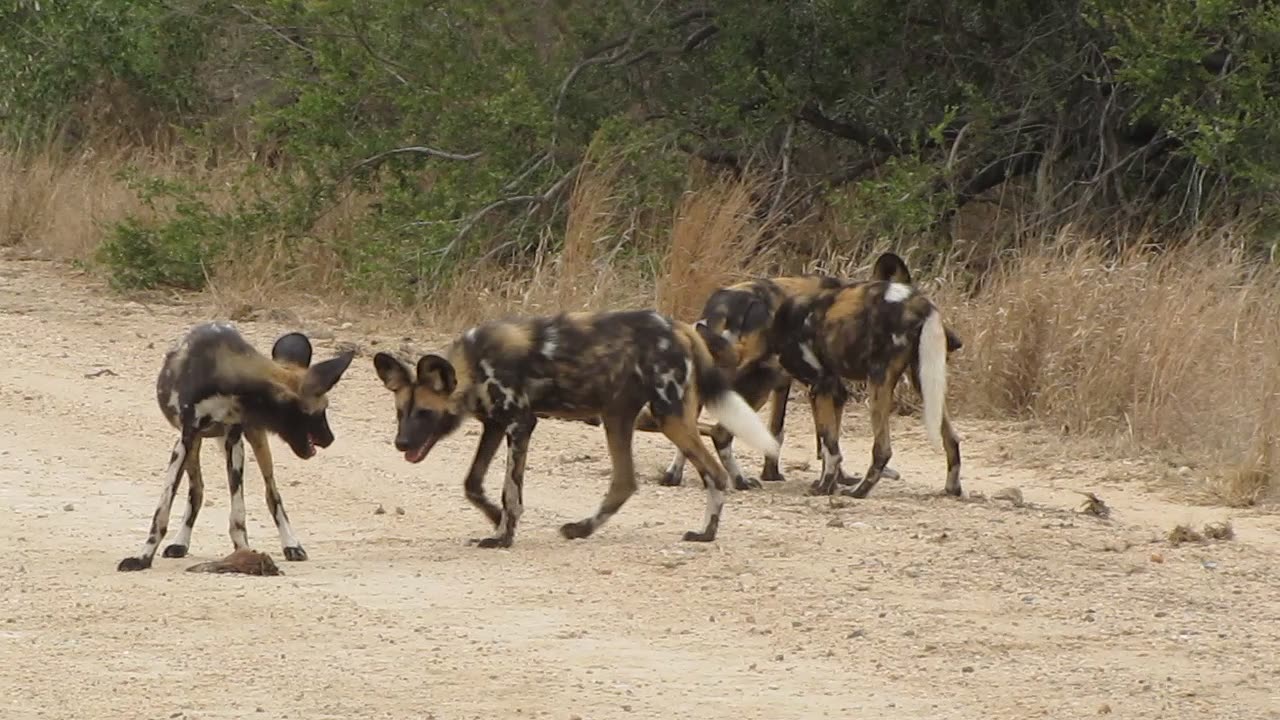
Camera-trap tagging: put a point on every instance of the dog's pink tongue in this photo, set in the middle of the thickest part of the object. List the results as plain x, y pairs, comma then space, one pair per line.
414, 456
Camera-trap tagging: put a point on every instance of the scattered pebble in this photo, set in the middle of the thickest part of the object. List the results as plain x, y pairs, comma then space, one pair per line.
1219, 531
966, 669
348, 346
835, 522
1012, 494
380, 510
399, 510
69, 507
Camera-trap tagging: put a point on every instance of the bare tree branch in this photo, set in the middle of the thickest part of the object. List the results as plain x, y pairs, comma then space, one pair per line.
420, 149
995, 173
698, 37
858, 132
391, 65
532, 201
713, 155
619, 49
530, 168
786, 170
272, 29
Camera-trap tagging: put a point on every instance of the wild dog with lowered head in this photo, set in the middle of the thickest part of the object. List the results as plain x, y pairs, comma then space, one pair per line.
741, 315
215, 384
874, 332
573, 366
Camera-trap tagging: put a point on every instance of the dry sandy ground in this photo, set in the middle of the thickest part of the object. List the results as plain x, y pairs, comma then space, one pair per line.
904, 605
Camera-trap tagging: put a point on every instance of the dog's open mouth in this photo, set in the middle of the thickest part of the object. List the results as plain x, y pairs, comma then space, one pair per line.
417, 455
311, 446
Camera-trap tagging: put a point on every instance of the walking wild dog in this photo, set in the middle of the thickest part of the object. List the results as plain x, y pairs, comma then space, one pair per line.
573, 366
740, 316
215, 384
743, 315
873, 331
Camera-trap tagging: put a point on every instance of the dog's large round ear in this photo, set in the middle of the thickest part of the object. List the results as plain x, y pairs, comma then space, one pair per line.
890, 267
393, 373
293, 348
436, 373
321, 378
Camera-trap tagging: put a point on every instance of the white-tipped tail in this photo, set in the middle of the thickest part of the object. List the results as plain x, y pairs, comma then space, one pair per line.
731, 411
933, 375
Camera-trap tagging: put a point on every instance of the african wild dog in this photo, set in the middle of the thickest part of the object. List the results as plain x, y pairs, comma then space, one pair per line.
215, 384
873, 331
743, 315
508, 374
735, 323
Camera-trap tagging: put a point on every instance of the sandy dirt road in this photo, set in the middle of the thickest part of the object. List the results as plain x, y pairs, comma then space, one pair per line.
904, 605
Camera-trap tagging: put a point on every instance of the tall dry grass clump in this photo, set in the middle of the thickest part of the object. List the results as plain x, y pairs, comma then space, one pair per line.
584, 271
584, 267
712, 239
56, 204
1177, 350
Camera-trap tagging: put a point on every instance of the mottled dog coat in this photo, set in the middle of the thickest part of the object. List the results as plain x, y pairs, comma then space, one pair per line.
743, 314
214, 384
574, 366
873, 332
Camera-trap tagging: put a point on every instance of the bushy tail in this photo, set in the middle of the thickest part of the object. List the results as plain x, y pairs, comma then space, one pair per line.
933, 375
726, 406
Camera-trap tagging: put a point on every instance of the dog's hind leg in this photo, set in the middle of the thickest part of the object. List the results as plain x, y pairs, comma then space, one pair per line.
195, 500
674, 474
881, 449
160, 520
777, 417
233, 448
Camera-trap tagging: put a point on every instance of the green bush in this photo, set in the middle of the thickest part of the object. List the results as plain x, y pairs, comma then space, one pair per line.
897, 113
141, 255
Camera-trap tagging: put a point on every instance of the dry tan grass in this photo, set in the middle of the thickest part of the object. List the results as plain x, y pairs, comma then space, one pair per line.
56, 204
590, 237
274, 272
1182, 534
1179, 350
59, 204
586, 273
711, 238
